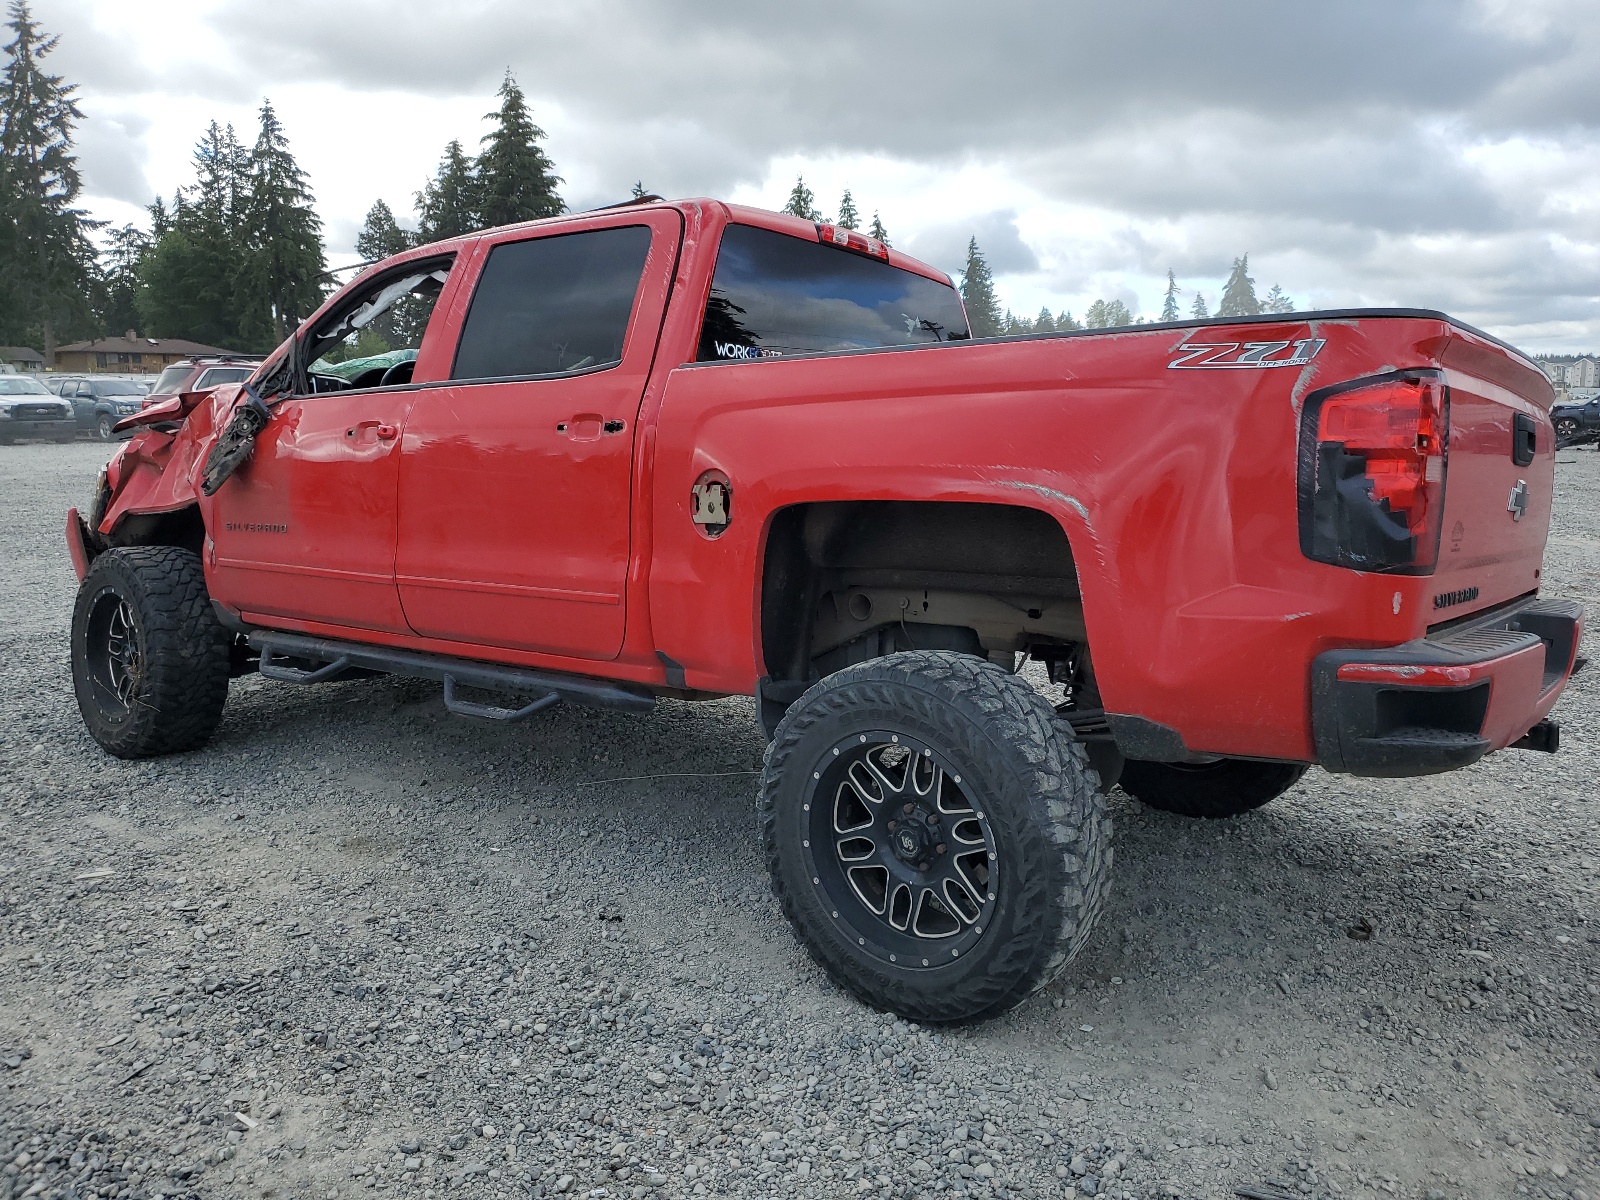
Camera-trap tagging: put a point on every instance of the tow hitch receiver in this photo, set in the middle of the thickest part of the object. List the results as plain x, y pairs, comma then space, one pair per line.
1544, 737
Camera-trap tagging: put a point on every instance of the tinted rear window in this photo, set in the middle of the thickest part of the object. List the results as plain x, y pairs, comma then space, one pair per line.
218, 375
774, 295
553, 304
172, 379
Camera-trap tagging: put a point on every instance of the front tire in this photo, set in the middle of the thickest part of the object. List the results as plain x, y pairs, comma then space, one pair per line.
1226, 787
105, 428
149, 660
938, 847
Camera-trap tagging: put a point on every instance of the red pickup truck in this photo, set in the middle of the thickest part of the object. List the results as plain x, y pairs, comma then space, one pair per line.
693, 450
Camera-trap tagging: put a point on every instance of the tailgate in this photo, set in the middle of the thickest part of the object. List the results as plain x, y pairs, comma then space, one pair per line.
1499, 478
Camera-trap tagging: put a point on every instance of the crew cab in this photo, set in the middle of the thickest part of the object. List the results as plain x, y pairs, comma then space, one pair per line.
99, 403
692, 449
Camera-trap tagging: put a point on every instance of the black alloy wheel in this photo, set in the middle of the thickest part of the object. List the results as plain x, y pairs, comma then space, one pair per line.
938, 847
896, 838
113, 655
149, 660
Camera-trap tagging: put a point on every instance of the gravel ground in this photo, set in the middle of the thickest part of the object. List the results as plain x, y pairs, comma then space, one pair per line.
359, 944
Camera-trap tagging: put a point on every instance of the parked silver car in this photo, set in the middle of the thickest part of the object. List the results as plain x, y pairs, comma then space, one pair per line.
29, 409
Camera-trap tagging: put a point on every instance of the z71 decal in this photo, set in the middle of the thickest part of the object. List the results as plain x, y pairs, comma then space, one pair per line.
1244, 355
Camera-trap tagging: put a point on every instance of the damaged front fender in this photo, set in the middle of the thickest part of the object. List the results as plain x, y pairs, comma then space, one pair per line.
159, 469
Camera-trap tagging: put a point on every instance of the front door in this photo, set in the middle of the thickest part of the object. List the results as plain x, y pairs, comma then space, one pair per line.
305, 528
516, 477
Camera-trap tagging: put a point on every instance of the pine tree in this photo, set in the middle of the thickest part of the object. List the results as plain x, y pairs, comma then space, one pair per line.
516, 179
1198, 309
124, 254
638, 192
1066, 322
876, 230
849, 218
1277, 302
1169, 300
1014, 324
1108, 314
191, 274
977, 293
1239, 294
381, 234
447, 206
47, 262
280, 280
1044, 322
801, 202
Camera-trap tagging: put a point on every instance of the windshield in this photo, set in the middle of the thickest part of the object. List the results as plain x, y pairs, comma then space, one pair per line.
172, 378
18, 385
117, 387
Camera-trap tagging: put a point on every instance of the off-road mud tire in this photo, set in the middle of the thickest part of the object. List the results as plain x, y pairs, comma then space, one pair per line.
1227, 787
181, 683
1041, 800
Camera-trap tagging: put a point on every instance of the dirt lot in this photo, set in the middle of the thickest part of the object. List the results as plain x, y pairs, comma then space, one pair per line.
358, 944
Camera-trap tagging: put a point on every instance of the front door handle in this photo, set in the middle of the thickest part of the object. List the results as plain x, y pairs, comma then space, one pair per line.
585, 427
376, 430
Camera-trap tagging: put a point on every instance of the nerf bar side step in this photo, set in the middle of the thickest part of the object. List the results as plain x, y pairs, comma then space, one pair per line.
345, 657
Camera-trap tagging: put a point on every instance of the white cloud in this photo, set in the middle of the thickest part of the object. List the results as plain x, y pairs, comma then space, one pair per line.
1425, 153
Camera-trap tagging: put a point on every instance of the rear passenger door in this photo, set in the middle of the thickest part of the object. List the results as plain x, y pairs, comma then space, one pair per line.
516, 477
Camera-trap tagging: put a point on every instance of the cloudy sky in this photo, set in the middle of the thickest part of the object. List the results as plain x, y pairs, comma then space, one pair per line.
1363, 152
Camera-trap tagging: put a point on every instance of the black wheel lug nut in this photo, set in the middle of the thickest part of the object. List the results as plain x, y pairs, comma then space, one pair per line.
892, 824
939, 849
909, 809
933, 818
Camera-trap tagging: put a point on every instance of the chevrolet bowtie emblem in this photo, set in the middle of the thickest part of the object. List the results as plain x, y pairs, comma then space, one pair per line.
1518, 504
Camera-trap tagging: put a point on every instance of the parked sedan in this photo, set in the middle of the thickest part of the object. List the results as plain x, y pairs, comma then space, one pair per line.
101, 403
29, 409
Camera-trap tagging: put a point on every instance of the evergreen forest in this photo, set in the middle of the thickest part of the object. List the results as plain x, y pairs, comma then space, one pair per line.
235, 258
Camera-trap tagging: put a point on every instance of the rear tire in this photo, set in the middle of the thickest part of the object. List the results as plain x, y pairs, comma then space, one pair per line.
990, 853
1224, 788
105, 428
149, 660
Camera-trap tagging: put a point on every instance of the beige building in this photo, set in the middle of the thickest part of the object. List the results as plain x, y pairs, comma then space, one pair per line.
130, 354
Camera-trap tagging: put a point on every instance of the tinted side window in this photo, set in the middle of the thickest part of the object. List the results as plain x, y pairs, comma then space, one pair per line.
553, 304
774, 295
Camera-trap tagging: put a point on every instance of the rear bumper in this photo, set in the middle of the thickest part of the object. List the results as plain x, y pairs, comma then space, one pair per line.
1446, 700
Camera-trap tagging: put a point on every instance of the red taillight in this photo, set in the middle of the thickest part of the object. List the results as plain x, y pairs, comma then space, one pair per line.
849, 239
1372, 467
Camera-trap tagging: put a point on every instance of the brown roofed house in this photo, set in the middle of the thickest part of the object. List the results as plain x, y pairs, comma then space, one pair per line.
22, 358
130, 354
